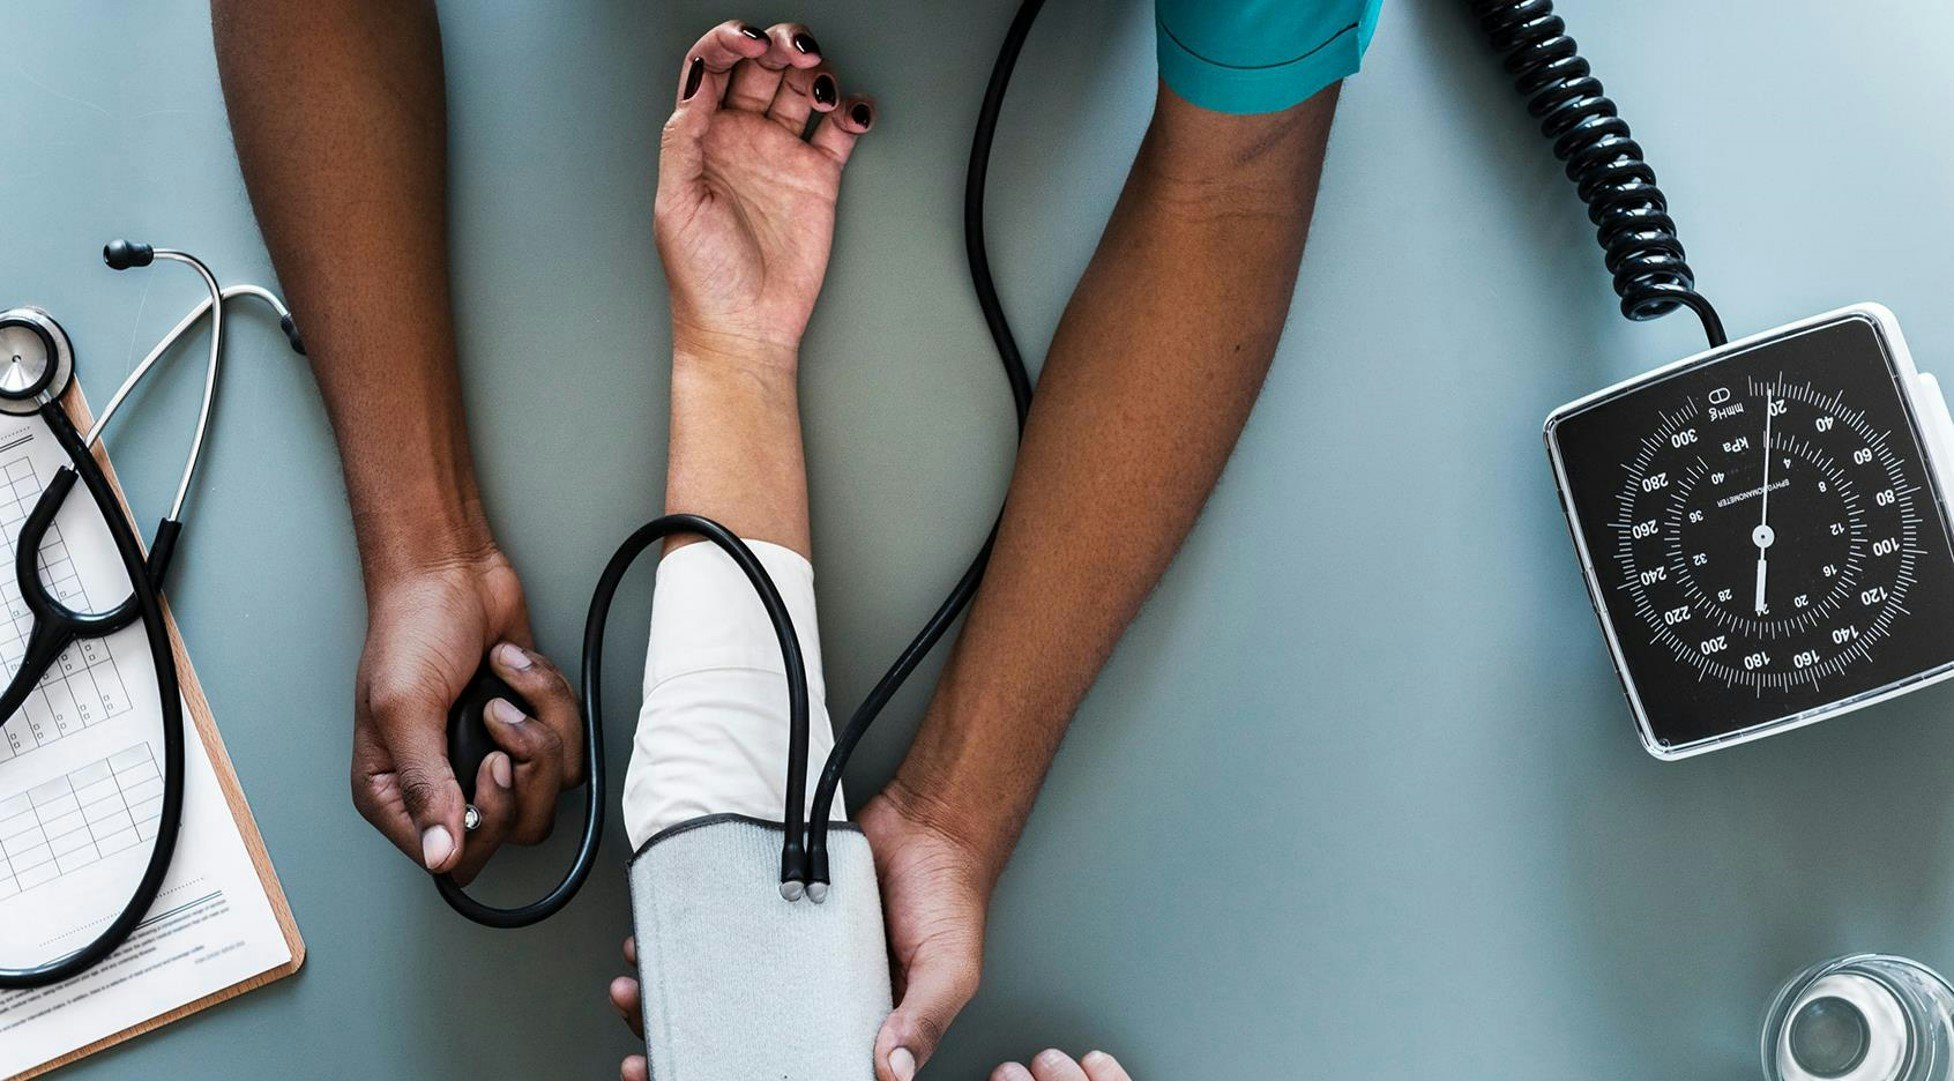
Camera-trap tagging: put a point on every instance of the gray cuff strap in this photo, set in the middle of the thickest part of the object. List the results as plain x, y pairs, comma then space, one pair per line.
741, 984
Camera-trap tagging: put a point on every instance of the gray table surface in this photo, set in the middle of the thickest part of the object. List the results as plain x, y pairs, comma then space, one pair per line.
1358, 796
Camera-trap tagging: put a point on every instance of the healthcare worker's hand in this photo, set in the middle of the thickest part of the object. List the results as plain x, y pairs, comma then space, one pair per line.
935, 894
746, 192
427, 630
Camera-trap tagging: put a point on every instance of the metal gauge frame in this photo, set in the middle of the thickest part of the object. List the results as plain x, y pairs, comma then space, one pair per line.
1932, 428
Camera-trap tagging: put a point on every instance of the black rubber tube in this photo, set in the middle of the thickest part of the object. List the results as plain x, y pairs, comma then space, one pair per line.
1021, 388
149, 603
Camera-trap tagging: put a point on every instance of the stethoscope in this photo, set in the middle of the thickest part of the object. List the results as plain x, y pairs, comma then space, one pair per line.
37, 365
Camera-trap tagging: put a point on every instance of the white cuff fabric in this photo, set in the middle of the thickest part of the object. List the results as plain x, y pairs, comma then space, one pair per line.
713, 730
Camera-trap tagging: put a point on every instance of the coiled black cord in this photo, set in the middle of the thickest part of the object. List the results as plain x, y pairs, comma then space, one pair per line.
1630, 213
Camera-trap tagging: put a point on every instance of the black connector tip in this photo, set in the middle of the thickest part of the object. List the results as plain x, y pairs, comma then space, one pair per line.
123, 254
793, 871
291, 330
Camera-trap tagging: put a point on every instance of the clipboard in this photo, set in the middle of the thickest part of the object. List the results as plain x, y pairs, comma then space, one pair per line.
199, 714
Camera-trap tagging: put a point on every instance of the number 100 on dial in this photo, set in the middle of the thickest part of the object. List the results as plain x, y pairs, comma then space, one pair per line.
1762, 529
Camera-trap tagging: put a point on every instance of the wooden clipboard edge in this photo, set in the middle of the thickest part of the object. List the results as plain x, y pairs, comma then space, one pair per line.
220, 762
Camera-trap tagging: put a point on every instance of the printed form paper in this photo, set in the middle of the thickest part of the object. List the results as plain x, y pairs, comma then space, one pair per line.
81, 789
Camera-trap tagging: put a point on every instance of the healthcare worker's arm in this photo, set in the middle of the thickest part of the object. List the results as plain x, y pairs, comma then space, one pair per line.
1150, 377
337, 110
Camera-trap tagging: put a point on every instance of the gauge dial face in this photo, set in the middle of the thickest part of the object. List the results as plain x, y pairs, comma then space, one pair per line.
1762, 533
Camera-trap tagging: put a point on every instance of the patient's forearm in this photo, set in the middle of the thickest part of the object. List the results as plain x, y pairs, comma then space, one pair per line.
736, 453
1150, 378
338, 113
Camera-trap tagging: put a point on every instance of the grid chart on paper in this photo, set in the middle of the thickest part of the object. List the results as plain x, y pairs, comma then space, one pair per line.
87, 816
85, 686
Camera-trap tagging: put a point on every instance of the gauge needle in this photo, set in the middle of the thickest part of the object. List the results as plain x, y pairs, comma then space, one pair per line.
1762, 536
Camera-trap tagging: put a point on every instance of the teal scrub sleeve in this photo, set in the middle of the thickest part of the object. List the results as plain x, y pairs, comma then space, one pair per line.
1260, 56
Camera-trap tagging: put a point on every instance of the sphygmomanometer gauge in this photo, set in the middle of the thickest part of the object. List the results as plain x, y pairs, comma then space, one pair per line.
1763, 529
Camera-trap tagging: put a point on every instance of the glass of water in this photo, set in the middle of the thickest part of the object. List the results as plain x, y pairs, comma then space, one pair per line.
1868, 1017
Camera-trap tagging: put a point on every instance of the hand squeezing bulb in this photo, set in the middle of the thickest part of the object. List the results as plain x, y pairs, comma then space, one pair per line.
469, 742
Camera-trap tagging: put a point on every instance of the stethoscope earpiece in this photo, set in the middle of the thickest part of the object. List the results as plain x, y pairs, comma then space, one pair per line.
122, 254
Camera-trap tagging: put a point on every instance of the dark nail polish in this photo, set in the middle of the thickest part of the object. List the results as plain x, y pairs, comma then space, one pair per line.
693, 76
824, 90
861, 114
806, 43
756, 35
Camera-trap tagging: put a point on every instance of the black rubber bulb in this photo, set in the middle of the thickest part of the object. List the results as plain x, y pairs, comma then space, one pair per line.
469, 742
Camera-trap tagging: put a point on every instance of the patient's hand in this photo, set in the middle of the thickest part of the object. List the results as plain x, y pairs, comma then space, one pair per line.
746, 200
1055, 1065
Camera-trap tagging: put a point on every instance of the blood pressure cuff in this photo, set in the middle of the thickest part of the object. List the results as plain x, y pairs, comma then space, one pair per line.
740, 984
1260, 56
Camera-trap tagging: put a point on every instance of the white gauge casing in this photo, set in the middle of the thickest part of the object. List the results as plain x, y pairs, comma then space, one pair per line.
1926, 408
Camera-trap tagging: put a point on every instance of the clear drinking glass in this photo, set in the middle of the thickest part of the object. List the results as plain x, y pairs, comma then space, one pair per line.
1868, 1017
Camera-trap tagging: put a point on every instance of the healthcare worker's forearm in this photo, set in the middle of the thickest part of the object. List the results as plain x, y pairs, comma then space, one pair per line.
337, 108
1150, 378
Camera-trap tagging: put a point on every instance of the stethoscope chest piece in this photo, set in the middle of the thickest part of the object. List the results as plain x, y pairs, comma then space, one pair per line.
36, 360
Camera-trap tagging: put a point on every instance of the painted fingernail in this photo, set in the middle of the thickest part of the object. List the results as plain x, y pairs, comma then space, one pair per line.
756, 35
902, 1064
436, 846
693, 76
513, 656
501, 770
824, 90
805, 42
502, 712
861, 114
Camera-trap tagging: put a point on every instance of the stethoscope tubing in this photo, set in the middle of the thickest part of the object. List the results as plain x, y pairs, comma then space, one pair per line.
216, 303
168, 341
149, 607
